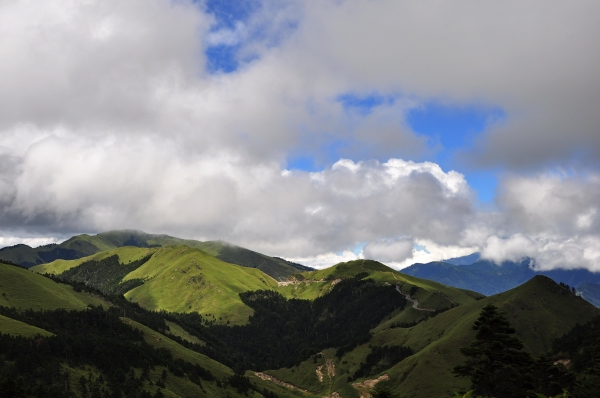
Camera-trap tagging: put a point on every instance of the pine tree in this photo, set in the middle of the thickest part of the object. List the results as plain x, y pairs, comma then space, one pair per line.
496, 364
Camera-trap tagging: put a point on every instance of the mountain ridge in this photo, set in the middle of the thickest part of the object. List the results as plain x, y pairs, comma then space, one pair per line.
84, 245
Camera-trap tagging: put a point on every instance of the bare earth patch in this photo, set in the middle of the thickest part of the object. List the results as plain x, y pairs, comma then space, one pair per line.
265, 376
366, 386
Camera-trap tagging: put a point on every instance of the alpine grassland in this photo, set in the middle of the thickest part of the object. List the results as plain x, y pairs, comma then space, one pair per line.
18, 328
214, 328
540, 311
179, 279
84, 245
24, 289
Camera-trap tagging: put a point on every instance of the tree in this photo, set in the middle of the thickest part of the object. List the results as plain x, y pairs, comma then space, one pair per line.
382, 392
496, 364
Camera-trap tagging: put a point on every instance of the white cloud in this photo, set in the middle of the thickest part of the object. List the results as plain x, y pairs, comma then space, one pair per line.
108, 119
394, 251
33, 242
513, 248
326, 260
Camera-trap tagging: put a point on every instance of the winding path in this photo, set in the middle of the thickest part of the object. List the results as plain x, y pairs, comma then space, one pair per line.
415, 301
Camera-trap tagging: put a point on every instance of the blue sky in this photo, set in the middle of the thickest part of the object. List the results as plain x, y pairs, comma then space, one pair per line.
300, 85
450, 129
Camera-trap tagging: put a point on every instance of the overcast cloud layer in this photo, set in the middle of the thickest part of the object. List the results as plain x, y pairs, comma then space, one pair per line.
110, 119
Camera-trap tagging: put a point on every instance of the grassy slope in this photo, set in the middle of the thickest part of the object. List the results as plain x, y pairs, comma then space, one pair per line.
126, 254
24, 289
18, 328
181, 279
159, 340
87, 245
182, 387
176, 330
539, 309
430, 294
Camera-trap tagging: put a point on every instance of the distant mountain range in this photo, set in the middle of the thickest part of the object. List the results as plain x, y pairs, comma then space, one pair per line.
484, 276
80, 246
358, 323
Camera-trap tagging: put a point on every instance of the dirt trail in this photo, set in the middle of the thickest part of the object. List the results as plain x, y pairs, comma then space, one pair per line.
414, 301
366, 386
265, 376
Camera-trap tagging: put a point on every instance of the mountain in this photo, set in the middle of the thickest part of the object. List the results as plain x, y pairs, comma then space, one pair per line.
464, 260
331, 332
486, 277
540, 310
85, 245
171, 278
27, 290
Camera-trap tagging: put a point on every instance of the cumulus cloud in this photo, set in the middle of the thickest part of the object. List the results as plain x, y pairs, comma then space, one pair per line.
557, 214
394, 251
536, 60
109, 119
513, 248
556, 203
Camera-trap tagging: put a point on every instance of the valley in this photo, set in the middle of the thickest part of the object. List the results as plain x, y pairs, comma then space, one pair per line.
212, 328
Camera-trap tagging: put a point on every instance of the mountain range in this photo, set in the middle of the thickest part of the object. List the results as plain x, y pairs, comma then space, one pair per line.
161, 318
84, 245
486, 277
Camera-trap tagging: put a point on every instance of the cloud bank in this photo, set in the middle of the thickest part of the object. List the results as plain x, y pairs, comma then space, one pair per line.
110, 118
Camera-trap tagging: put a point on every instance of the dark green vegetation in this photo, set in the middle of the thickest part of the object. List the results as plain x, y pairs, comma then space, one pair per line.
486, 277
497, 365
380, 359
90, 338
580, 349
85, 245
106, 275
283, 332
345, 329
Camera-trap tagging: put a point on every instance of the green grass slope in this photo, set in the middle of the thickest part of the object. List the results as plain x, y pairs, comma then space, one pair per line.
18, 328
159, 340
277, 268
126, 255
540, 310
85, 245
181, 279
309, 285
179, 386
24, 289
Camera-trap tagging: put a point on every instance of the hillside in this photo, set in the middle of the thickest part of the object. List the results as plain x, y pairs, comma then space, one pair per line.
488, 278
85, 245
310, 285
540, 311
362, 321
173, 278
20, 288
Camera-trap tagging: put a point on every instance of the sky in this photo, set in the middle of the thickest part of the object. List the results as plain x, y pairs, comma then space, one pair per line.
317, 131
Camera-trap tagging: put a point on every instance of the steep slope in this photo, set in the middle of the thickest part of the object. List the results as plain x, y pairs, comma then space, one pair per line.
172, 278
482, 276
488, 278
20, 288
18, 328
277, 268
540, 311
309, 285
181, 279
85, 245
